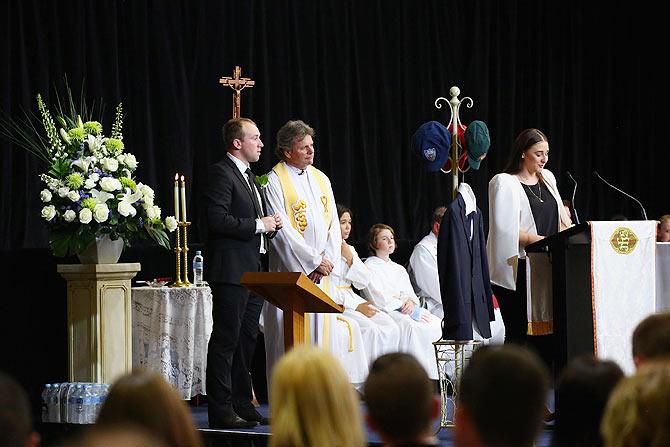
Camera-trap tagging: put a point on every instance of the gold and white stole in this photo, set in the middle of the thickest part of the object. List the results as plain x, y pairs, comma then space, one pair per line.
296, 209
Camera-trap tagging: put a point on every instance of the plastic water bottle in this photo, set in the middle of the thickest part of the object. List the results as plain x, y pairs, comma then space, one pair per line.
46, 398
54, 403
64, 389
88, 415
72, 403
197, 269
79, 405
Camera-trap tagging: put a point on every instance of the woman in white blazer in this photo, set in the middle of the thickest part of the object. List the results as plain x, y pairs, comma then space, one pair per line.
524, 207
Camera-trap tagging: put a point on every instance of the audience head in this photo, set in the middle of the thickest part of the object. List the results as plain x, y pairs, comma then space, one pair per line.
16, 421
313, 402
501, 398
400, 399
651, 338
664, 228
582, 391
521, 146
381, 239
638, 411
115, 436
295, 144
146, 399
436, 219
345, 215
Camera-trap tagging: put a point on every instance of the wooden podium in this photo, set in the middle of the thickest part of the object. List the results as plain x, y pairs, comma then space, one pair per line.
295, 294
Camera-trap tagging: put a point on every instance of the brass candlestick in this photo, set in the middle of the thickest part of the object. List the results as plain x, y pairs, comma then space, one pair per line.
184, 250
178, 250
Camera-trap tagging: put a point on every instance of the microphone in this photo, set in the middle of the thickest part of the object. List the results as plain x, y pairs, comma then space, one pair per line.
644, 213
574, 191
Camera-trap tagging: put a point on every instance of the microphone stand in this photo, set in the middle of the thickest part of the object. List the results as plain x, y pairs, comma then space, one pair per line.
644, 213
574, 191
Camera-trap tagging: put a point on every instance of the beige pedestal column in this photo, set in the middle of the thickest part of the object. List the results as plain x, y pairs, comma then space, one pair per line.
99, 320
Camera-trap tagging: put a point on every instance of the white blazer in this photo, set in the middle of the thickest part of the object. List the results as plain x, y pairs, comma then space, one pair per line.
509, 212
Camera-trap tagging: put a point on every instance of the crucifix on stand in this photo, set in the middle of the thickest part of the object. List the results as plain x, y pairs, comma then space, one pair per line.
238, 84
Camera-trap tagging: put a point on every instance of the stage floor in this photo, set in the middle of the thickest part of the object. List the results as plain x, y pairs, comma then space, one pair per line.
259, 435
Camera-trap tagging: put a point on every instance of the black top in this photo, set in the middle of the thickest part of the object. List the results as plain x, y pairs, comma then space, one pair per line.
543, 206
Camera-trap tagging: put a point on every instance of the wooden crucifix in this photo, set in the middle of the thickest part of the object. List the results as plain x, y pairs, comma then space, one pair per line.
237, 84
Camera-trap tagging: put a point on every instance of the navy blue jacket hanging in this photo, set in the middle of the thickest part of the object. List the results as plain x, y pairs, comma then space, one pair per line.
465, 286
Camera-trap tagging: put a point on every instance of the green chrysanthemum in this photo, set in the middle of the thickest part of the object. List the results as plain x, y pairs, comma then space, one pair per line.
127, 183
74, 180
114, 146
76, 135
89, 203
93, 127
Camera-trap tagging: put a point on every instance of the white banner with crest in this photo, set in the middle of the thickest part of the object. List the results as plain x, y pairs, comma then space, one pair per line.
623, 270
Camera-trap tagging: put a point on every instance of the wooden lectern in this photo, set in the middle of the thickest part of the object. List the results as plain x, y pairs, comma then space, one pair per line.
295, 294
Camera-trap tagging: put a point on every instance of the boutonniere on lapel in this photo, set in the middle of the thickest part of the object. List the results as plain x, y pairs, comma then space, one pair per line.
262, 181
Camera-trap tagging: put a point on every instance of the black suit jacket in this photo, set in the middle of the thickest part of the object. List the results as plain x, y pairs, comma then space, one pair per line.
233, 247
465, 286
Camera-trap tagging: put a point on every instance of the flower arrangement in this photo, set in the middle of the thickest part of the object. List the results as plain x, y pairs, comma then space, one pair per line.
90, 189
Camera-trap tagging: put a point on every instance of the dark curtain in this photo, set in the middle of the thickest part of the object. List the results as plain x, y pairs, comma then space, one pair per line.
365, 75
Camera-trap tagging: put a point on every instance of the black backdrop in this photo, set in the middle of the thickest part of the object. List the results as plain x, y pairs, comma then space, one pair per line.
365, 74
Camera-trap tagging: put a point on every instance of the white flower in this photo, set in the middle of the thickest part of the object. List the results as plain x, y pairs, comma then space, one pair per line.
89, 183
110, 184
73, 195
94, 176
110, 164
69, 215
153, 212
85, 215
49, 212
100, 212
170, 223
130, 161
64, 135
45, 195
94, 143
82, 163
101, 196
147, 194
63, 191
126, 209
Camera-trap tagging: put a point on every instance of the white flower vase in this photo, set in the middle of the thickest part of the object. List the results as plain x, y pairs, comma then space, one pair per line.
103, 251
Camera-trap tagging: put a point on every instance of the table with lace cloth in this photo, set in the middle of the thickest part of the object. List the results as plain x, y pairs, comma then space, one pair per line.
171, 330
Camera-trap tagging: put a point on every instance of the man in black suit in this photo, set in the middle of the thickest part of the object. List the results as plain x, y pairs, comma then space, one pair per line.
237, 240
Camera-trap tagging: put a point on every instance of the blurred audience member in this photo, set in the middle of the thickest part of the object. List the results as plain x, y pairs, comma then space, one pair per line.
664, 228
651, 338
582, 391
313, 403
16, 421
116, 436
400, 401
146, 399
501, 398
638, 411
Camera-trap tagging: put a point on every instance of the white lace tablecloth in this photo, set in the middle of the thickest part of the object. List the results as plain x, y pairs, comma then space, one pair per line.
171, 330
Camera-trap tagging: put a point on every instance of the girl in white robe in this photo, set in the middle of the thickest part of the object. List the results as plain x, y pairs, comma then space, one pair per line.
380, 333
390, 290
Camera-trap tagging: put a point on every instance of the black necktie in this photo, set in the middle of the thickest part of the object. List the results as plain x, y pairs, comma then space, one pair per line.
469, 226
254, 196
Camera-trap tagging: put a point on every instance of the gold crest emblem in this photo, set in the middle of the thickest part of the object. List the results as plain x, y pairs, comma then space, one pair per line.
623, 240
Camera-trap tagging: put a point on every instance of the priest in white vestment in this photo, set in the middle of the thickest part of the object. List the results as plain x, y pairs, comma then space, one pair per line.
391, 290
380, 333
309, 243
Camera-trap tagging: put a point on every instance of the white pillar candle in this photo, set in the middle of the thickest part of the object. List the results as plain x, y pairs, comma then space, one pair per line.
176, 197
183, 199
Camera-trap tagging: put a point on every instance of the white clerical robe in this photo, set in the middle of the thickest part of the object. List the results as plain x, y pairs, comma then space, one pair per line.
380, 333
389, 287
293, 251
423, 271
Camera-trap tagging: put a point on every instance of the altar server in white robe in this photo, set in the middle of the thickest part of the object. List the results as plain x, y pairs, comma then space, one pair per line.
380, 333
391, 290
311, 244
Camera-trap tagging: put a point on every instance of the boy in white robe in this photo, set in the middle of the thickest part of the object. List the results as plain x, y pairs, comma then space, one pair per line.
380, 333
391, 290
